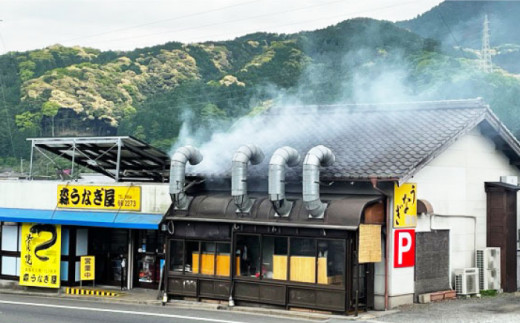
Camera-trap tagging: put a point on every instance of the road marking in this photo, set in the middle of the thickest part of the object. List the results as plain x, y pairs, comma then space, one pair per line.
120, 311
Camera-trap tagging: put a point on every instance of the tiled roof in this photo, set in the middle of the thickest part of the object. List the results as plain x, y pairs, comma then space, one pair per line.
387, 142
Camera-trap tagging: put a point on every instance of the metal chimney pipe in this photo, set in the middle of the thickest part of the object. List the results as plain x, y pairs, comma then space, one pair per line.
241, 158
281, 157
316, 157
177, 174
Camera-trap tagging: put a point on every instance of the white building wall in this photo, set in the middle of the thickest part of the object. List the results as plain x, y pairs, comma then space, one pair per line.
42, 195
454, 184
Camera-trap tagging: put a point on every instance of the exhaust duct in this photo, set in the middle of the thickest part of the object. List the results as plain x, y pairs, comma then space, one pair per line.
316, 157
241, 158
177, 175
281, 157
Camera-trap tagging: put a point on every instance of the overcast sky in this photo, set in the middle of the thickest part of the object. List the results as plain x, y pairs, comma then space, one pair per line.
129, 24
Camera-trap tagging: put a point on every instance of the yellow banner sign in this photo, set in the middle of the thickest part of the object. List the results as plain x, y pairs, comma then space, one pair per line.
40, 255
88, 268
405, 205
100, 197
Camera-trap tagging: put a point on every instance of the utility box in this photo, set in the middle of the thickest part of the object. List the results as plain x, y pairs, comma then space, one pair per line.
466, 281
488, 263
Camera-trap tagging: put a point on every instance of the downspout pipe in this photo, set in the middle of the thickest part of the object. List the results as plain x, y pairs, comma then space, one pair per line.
316, 157
388, 217
470, 217
177, 175
281, 157
243, 156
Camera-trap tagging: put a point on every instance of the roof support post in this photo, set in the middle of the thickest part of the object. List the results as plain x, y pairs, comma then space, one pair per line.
118, 163
73, 158
31, 162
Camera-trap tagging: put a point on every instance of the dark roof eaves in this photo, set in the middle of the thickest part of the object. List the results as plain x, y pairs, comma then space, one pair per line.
502, 130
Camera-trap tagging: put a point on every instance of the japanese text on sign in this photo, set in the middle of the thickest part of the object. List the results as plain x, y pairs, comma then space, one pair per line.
88, 266
40, 255
405, 205
100, 197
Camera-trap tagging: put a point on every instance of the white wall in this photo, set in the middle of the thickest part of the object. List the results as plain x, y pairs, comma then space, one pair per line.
42, 195
454, 184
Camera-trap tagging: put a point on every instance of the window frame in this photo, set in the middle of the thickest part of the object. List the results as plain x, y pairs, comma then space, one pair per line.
235, 276
287, 261
288, 281
9, 253
184, 255
315, 262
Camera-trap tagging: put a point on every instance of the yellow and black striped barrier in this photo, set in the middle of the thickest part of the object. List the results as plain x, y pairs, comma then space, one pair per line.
90, 292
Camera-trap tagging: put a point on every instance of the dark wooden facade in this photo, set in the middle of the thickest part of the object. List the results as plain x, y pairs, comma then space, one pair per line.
285, 293
502, 229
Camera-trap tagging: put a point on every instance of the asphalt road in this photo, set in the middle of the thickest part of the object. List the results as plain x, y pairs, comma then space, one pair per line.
502, 308
31, 309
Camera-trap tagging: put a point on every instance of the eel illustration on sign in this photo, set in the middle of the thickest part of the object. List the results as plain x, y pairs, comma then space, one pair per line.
37, 229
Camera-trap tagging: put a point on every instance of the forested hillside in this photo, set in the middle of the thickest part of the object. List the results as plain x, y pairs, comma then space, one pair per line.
154, 93
458, 25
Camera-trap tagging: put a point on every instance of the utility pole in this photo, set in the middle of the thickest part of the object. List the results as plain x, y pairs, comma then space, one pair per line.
485, 53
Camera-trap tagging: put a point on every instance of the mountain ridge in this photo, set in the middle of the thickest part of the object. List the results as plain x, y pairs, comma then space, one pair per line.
165, 93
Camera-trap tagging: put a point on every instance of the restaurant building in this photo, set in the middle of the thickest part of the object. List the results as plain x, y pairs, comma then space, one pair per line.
345, 208
356, 207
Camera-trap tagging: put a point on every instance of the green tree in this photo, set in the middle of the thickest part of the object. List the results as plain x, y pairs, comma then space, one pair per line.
28, 121
50, 109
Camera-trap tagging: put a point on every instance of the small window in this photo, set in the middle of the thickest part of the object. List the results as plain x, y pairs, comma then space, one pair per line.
176, 251
207, 258
11, 235
303, 260
223, 259
248, 249
192, 257
274, 258
331, 262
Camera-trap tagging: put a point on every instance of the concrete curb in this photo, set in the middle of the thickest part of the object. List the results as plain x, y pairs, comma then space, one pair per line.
278, 312
119, 299
123, 299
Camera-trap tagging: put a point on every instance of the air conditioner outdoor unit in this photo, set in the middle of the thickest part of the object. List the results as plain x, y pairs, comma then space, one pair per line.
488, 263
466, 281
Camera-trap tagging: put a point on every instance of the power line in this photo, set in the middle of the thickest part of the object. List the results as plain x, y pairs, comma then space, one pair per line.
162, 20
266, 15
451, 34
227, 22
318, 19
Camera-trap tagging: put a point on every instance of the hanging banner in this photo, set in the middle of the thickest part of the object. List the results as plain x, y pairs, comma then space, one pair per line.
125, 198
405, 205
369, 243
88, 266
40, 255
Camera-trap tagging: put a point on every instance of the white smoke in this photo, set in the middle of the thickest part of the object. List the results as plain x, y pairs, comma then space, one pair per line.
383, 82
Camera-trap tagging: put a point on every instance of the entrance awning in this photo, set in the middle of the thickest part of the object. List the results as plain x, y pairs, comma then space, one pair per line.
344, 213
124, 220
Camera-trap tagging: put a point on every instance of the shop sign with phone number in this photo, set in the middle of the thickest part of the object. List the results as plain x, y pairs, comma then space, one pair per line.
99, 197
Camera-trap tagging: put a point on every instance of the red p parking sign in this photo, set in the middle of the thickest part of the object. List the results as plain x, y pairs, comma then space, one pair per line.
404, 248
